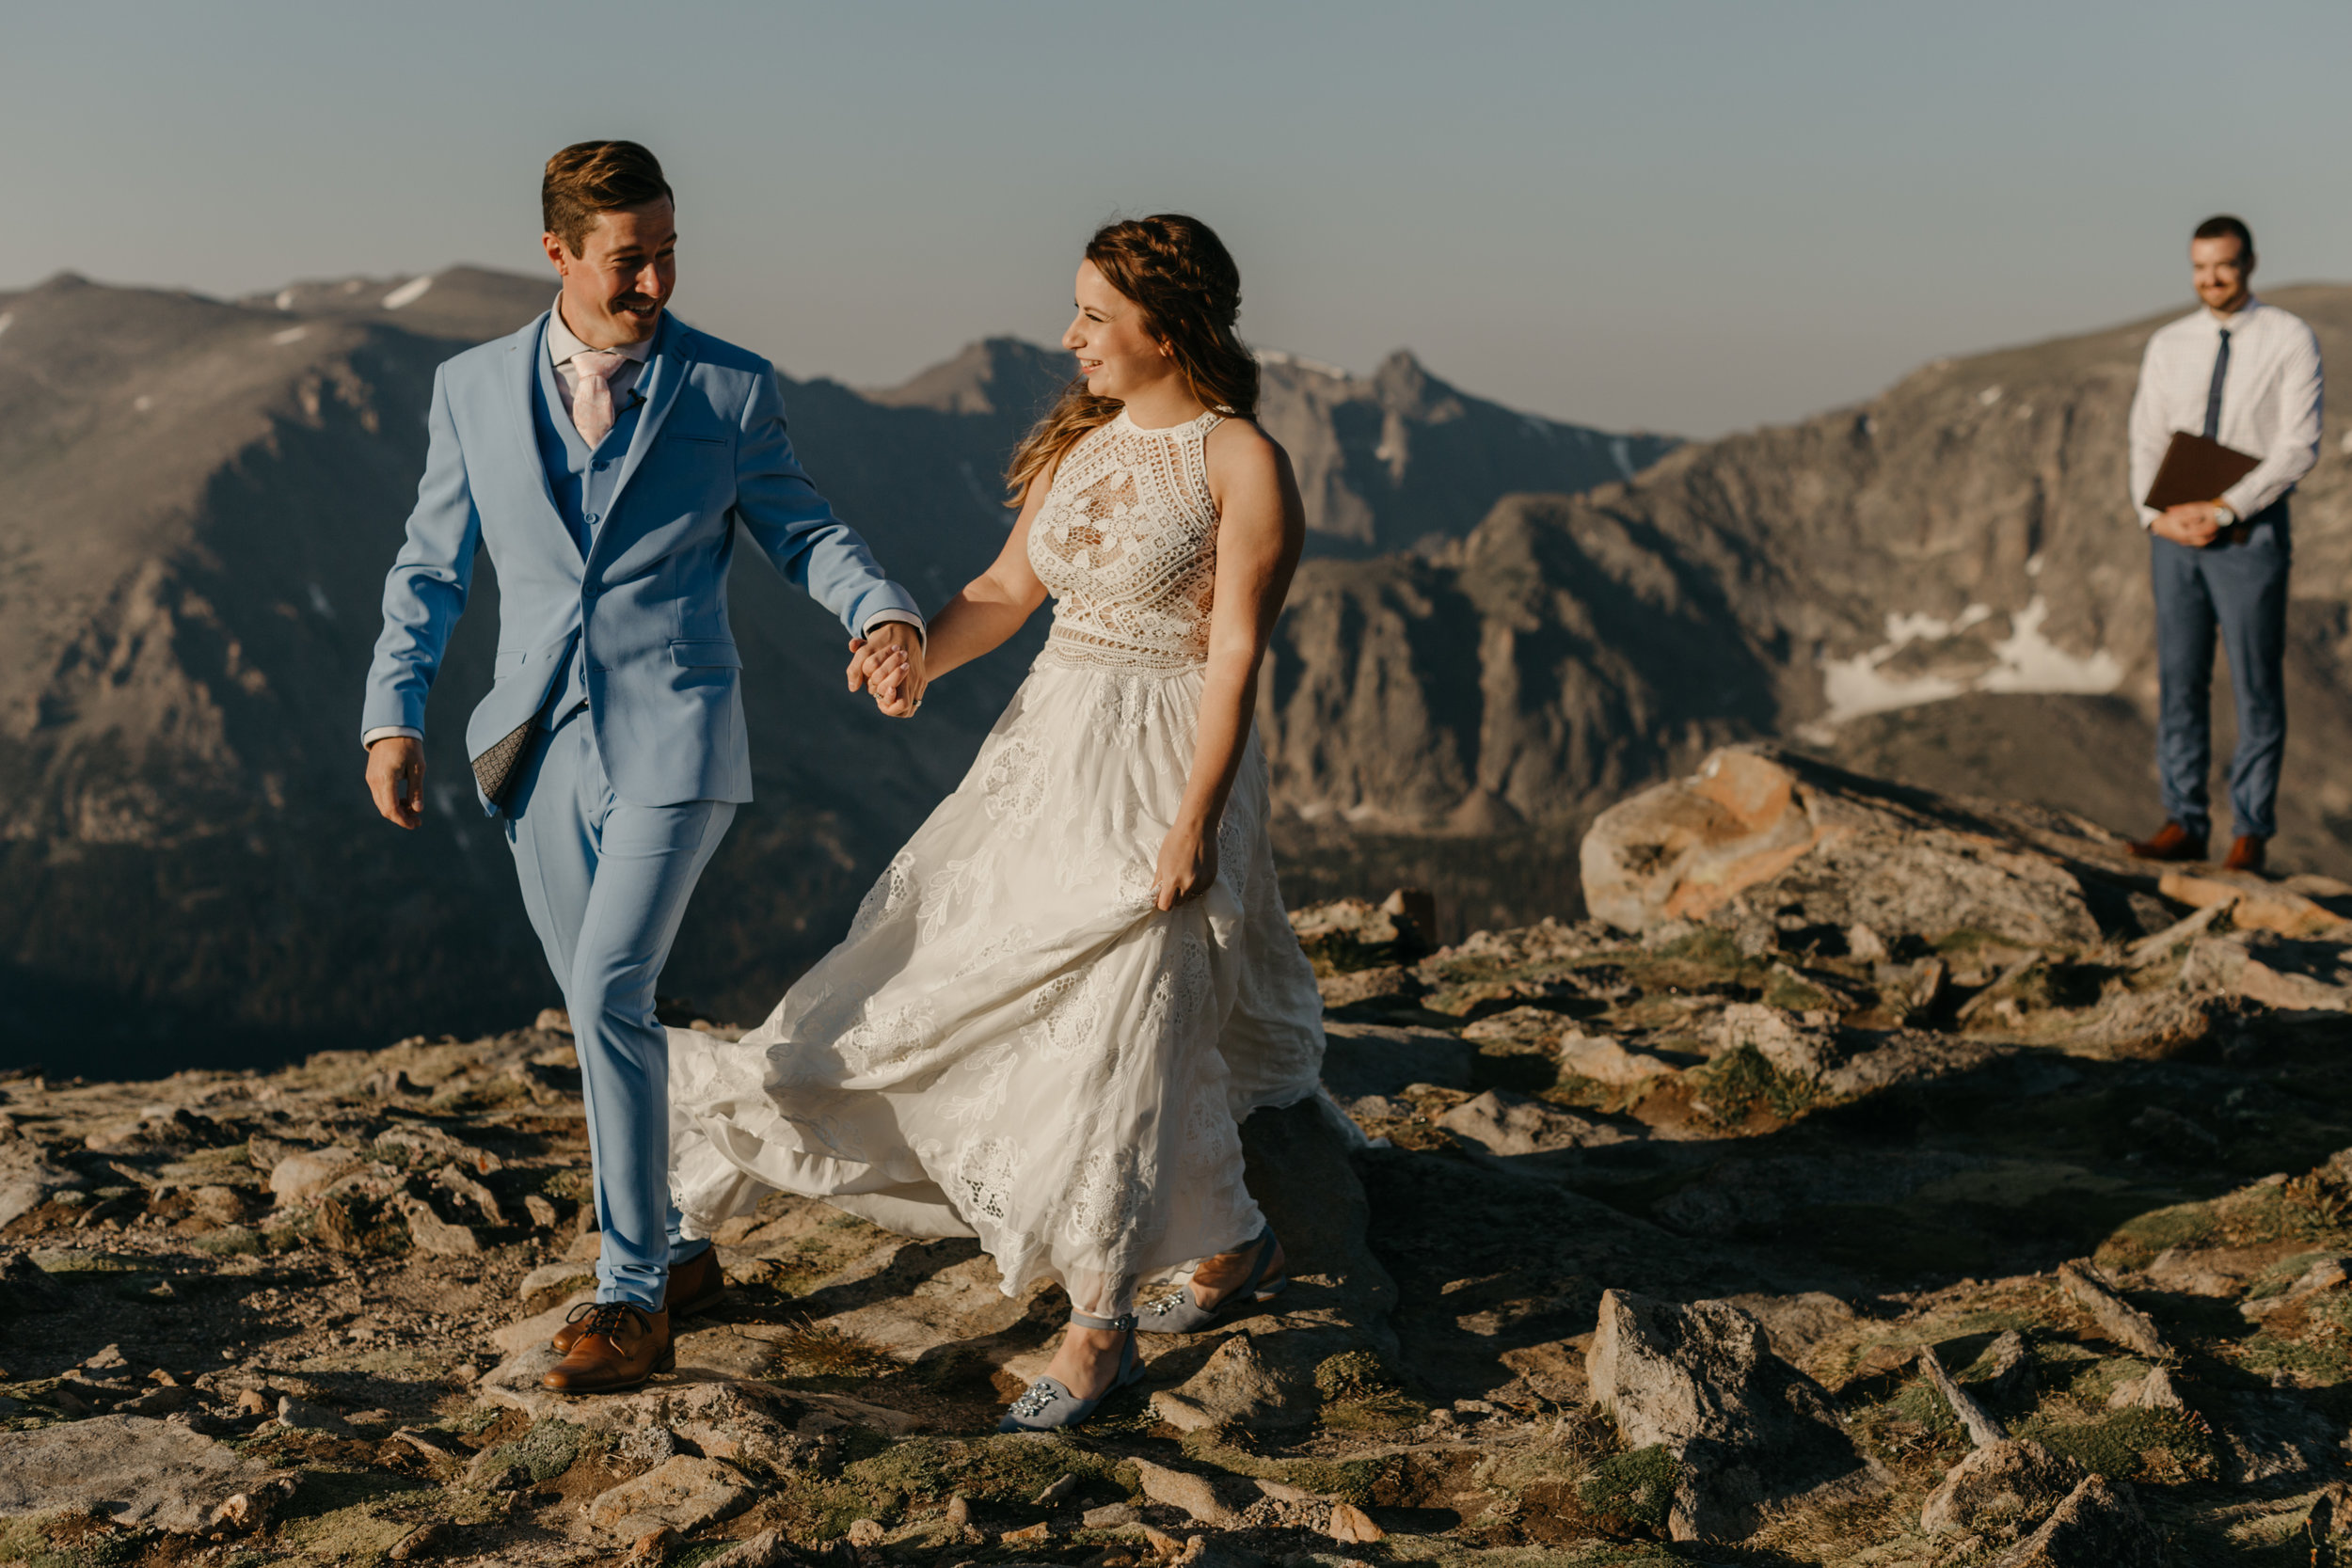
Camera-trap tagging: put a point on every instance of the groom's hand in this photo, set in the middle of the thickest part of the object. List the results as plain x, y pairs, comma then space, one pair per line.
889, 664
396, 779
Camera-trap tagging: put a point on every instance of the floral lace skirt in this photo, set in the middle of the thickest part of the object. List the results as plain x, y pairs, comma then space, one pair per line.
1012, 1043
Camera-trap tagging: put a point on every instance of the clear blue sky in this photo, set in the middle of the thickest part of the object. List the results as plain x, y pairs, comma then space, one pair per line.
1684, 215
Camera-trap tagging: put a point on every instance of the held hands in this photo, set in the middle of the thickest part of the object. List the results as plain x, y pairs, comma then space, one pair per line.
889, 664
1187, 867
2191, 523
396, 779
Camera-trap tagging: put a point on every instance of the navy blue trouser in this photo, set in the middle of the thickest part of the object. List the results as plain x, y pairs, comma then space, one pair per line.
2239, 591
606, 883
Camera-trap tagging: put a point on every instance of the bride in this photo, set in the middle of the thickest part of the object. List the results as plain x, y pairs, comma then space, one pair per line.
1056, 1005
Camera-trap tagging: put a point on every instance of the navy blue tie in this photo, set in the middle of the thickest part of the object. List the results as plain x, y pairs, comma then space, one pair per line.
2212, 392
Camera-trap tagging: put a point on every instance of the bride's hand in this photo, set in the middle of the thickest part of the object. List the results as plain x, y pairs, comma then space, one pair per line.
889, 667
1187, 867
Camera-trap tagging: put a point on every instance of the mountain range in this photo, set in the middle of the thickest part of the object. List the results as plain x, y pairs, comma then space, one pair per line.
1504, 624
201, 498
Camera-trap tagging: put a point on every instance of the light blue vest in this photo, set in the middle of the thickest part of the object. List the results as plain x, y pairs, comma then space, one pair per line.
581, 483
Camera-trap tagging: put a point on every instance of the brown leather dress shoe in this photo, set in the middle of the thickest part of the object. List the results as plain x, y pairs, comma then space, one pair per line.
2173, 842
620, 1346
695, 1286
2246, 853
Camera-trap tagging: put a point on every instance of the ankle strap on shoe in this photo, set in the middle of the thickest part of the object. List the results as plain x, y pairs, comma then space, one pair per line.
1086, 1320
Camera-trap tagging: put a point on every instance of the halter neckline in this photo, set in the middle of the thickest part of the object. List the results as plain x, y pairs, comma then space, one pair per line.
1165, 429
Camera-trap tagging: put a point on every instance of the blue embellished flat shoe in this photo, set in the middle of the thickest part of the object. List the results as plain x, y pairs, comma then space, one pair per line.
1181, 1313
1048, 1404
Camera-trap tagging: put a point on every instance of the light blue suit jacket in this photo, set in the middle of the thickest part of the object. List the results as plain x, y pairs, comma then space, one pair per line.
648, 601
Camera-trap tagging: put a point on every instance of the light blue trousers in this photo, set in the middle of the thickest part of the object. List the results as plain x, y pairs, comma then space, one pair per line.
606, 883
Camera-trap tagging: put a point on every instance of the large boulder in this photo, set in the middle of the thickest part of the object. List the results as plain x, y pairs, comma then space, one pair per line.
1744, 1427
1826, 848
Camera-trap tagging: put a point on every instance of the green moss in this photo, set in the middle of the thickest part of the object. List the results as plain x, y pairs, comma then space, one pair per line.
2132, 1442
1008, 1468
1709, 945
1360, 1394
1913, 1421
1737, 1083
350, 1516
2136, 1242
2320, 1350
1968, 938
1366, 1482
1797, 996
1637, 1487
880, 1485
66, 1539
474, 1418
544, 1453
229, 1240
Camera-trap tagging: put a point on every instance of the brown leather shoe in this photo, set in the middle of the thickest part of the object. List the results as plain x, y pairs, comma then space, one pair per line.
695, 1286
2246, 853
2173, 842
620, 1346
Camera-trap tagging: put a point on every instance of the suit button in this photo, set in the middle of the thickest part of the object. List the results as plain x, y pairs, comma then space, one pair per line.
592, 516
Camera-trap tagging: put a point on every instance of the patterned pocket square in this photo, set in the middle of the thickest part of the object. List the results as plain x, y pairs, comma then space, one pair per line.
498, 770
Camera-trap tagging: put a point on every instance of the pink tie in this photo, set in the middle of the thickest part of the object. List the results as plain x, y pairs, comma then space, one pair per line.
591, 398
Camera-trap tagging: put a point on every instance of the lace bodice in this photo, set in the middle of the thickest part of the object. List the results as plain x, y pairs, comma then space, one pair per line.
1126, 543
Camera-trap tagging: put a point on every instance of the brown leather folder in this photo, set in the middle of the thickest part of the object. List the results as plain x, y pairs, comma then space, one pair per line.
2196, 470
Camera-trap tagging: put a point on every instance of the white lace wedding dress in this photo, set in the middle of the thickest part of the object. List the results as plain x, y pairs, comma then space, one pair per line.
1011, 1042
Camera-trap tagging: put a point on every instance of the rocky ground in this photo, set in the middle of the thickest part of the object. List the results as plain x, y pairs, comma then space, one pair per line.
1895, 1181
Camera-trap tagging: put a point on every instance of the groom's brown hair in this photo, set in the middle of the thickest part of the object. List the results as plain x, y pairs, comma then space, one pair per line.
592, 177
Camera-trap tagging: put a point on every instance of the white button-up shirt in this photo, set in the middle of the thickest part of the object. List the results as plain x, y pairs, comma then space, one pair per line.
2269, 400
562, 345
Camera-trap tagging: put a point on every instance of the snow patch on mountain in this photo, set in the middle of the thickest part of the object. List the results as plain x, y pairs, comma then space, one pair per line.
409, 292
2025, 660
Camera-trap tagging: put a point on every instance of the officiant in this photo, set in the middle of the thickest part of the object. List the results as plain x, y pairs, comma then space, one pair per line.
2245, 375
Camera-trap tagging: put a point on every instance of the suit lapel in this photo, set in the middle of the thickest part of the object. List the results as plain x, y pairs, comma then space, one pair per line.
665, 374
523, 352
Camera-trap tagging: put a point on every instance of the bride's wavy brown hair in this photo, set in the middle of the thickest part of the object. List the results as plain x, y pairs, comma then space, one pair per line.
1181, 278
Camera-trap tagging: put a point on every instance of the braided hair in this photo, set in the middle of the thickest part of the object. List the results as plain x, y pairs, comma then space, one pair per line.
1181, 278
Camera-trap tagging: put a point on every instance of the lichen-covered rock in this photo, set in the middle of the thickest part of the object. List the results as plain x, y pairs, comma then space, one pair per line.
1701, 1382
135, 1469
1506, 1124
1241, 1385
1603, 1059
1823, 847
299, 1178
683, 1493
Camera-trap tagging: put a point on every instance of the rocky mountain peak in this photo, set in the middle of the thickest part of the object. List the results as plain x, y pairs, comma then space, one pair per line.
1002, 376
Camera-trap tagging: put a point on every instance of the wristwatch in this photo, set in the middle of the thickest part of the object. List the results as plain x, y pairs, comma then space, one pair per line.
2223, 516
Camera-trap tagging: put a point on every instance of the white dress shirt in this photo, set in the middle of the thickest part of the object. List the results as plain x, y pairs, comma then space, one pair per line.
564, 345
2269, 400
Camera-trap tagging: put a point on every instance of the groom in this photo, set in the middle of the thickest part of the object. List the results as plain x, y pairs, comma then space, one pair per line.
608, 455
